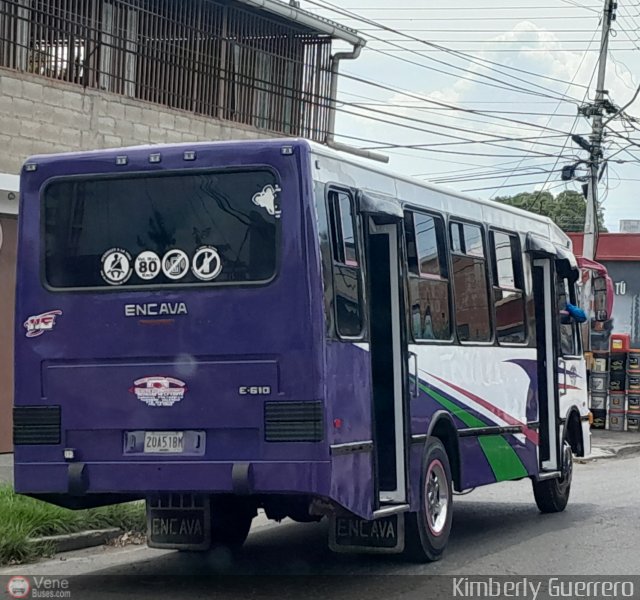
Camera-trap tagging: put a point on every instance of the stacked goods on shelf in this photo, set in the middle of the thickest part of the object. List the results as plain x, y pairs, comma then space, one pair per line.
618, 382
617, 411
599, 387
615, 420
633, 412
620, 342
633, 391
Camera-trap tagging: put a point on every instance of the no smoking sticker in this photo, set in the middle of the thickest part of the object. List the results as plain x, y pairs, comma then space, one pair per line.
206, 264
147, 265
116, 266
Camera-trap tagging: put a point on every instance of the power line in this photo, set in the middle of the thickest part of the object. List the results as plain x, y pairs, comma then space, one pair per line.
531, 171
578, 5
422, 108
438, 112
575, 122
506, 85
450, 8
448, 19
413, 120
494, 140
392, 146
416, 96
444, 49
475, 30
517, 41
472, 101
512, 185
470, 169
521, 50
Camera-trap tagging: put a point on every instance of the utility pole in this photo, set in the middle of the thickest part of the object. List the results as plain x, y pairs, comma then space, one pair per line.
594, 111
595, 159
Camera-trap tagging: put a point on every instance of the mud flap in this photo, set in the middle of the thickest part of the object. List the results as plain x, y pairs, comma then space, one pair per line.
179, 521
350, 534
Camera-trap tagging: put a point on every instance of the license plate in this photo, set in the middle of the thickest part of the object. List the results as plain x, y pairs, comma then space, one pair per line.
164, 442
189, 442
350, 534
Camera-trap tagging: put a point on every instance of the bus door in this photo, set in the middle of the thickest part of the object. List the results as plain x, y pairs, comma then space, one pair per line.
382, 219
547, 363
572, 373
558, 350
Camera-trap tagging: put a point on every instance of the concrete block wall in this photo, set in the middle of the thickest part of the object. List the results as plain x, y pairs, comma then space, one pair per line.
41, 116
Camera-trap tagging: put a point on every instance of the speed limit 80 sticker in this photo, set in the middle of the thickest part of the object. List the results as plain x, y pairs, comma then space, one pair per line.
147, 265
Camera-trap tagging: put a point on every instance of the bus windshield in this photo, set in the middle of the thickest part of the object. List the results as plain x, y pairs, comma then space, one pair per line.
161, 229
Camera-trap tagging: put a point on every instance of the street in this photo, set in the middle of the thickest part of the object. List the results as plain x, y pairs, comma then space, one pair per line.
497, 531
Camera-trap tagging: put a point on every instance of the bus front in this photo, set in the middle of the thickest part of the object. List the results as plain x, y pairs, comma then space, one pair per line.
167, 307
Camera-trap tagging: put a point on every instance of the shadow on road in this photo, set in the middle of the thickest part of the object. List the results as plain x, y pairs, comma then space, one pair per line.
293, 561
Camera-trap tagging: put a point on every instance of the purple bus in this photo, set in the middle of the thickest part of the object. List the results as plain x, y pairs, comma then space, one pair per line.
218, 328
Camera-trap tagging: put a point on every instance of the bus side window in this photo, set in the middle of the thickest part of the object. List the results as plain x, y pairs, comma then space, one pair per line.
470, 290
568, 328
429, 293
508, 288
346, 265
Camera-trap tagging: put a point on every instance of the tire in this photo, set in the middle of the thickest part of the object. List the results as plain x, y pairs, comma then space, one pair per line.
552, 495
427, 531
230, 522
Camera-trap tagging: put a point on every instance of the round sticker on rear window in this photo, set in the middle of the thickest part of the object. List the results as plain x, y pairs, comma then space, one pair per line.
147, 265
175, 264
116, 266
206, 263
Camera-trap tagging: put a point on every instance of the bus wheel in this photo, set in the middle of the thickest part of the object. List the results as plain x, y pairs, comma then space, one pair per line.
427, 531
552, 495
230, 522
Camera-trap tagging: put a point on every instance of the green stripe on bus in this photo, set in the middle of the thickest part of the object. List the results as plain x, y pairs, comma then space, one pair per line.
505, 462
466, 417
503, 459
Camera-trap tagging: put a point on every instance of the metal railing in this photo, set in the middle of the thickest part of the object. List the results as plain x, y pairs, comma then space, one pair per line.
208, 57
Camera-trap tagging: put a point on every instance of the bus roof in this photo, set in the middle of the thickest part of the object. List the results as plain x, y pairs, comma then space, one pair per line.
552, 230
369, 165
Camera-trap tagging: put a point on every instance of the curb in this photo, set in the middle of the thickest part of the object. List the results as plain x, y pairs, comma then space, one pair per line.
630, 450
77, 541
607, 452
99, 537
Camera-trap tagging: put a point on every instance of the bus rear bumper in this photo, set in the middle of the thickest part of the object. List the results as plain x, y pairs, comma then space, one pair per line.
141, 478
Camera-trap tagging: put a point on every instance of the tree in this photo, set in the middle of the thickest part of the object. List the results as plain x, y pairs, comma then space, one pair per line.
567, 209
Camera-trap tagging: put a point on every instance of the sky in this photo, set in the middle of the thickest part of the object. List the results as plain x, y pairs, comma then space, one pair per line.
525, 68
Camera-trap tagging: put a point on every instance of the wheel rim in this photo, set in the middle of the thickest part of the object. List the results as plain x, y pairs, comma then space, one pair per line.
436, 500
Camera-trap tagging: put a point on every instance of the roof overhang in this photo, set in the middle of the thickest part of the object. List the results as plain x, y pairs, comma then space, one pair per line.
9, 186
307, 19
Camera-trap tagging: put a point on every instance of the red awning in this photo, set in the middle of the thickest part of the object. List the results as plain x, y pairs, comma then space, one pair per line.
611, 246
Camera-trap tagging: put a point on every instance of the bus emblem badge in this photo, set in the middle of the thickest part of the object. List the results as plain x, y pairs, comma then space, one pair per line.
159, 391
38, 324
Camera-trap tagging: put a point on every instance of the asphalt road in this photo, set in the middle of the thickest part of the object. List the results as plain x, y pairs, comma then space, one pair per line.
496, 531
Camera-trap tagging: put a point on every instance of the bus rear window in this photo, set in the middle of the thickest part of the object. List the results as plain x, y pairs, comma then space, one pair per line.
176, 229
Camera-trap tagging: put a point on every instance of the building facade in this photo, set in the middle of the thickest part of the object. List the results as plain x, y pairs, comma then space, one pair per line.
88, 74
630, 226
8, 233
620, 254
